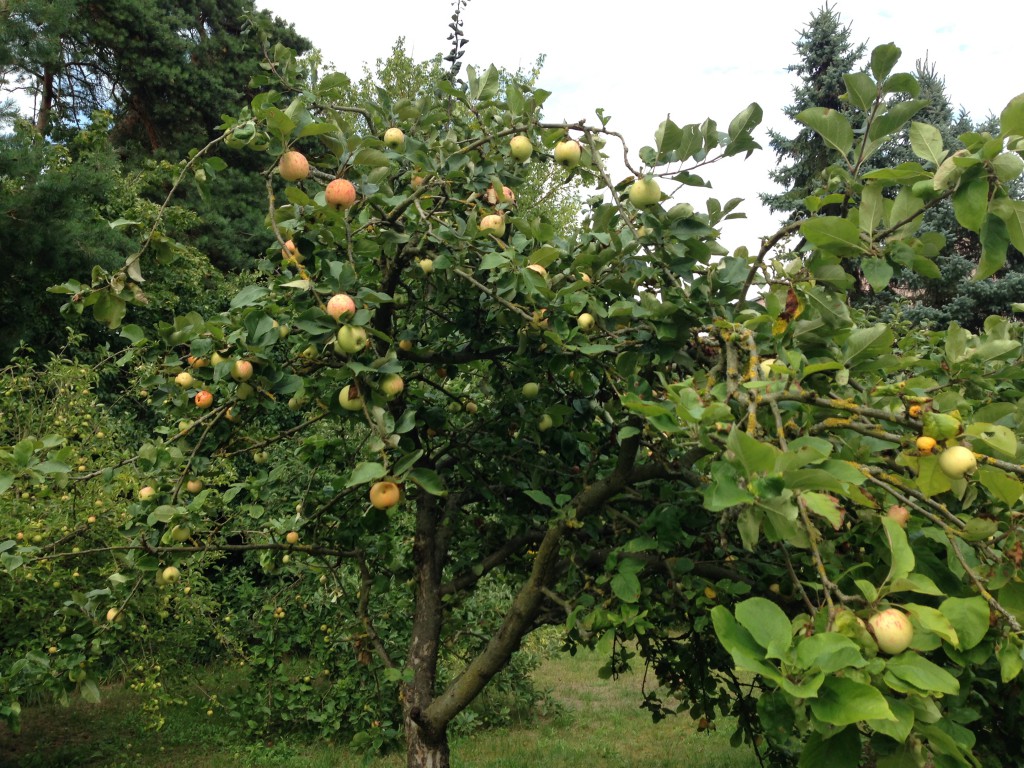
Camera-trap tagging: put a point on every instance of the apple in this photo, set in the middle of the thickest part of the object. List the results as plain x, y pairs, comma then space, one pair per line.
261, 457
180, 533
244, 391
417, 182
585, 321
405, 345
384, 494
217, 358
194, 486
507, 195
644, 192
292, 537
471, 407
957, 461
426, 266
493, 223
170, 574
545, 423
349, 398
540, 270
203, 399
352, 339
340, 304
241, 370
392, 385
521, 147
567, 153
585, 277
231, 414
146, 492
926, 444
184, 379
394, 138
293, 166
290, 252
198, 362
113, 615
898, 513
531, 389
892, 630
766, 366
340, 193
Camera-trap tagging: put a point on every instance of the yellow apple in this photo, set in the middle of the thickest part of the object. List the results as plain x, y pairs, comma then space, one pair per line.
644, 192
521, 147
568, 153
892, 630
293, 166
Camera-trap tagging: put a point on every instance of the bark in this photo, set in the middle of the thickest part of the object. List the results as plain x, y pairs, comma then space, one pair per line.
45, 103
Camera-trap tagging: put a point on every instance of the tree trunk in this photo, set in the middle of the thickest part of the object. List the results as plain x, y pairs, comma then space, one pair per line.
424, 750
45, 103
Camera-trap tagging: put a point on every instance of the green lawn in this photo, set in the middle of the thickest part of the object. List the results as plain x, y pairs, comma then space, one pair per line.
598, 725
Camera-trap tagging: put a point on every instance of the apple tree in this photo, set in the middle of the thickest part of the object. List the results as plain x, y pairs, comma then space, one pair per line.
699, 457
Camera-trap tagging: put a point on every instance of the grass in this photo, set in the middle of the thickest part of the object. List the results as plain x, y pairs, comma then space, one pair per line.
598, 724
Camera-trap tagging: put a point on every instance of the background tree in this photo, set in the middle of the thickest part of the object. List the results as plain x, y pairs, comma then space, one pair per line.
825, 53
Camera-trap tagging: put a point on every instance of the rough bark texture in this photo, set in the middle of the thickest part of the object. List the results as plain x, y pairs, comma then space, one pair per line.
45, 103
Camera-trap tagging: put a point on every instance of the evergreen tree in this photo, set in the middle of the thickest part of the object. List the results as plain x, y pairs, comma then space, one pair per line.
825, 52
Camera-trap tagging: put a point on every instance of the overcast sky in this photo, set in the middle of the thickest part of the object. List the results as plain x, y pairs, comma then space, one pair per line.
653, 58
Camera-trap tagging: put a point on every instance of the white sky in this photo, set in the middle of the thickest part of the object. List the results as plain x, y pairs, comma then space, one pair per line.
652, 58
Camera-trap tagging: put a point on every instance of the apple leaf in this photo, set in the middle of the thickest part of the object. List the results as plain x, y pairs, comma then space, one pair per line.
841, 701
90, 691
767, 625
365, 472
1011, 120
926, 143
969, 616
840, 751
923, 674
994, 244
428, 480
831, 125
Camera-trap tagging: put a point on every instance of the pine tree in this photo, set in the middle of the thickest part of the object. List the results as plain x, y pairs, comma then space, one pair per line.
825, 53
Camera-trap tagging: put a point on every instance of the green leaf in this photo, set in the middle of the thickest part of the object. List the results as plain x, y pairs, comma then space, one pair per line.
540, 498
932, 620
922, 674
1000, 484
1011, 660
1011, 119
902, 554
926, 143
861, 90
842, 701
829, 652
428, 480
824, 506
754, 455
831, 125
840, 751
970, 204
867, 344
877, 272
1012, 213
872, 209
883, 59
741, 646
994, 244
834, 234
248, 296
767, 625
898, 729
90, 691
746, 121
365, 472
893, 119
626, 587
969, 616
6, 480
995, 438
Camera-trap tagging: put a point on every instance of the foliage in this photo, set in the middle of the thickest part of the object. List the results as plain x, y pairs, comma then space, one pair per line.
703, 476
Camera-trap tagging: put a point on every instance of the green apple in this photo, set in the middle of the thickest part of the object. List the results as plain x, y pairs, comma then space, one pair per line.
352, 339
392, 385
957, 461
349, 398
241, 370
545, 423
494, 224
426, 266
585, 321
521, 148
531, 389
644, 192
184, 379
568, 153
180, 533
171, 574
394, 138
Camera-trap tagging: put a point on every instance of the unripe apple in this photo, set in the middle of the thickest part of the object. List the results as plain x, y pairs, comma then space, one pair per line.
521, 147
292, 537
957, 461
392, 385
194, 486
892, 630
217, 358
394, 138
471, 407
241, 370
530, 390
350, 399
545, 423
184, 379
113, 615
243, 392
171, 574
203, 399
340, 304
405, 345
293, 166
261, 457
180, 533
352, 339
494, 224
426, 266
384, 494
146, 493
585, 321
231, 414
340, 193
644, 192
567, 153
